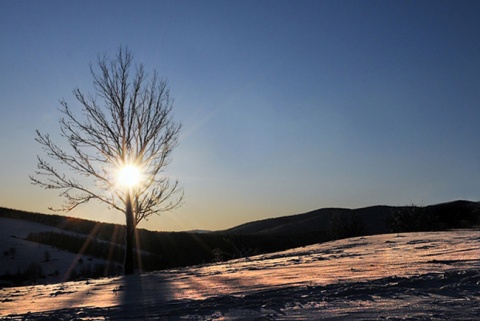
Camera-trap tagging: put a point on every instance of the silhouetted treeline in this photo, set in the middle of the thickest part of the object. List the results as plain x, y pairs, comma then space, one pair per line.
87, 245
458, 214
181, 248
161, 250
105, 231
79, 244
30, 275
345, 225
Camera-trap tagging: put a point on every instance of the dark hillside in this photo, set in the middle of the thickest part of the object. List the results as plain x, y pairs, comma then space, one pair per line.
444, 216
160, 250
457, 214
313, 221
368, 220
105, 231
372, 218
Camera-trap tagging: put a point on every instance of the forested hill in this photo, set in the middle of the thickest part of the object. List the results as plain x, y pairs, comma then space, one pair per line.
99, 230
160, 250
371, 220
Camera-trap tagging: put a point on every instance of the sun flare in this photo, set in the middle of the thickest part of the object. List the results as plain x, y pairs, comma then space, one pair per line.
129, 176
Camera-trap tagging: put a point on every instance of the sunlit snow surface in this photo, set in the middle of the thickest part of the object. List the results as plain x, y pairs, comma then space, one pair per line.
418, 276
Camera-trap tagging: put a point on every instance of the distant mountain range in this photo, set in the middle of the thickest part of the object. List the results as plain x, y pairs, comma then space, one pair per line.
374, 219
103, 242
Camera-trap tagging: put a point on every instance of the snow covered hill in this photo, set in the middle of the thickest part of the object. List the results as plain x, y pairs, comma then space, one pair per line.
416, 276
43, 263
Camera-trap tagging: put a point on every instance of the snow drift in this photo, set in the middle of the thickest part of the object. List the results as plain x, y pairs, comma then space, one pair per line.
414, 276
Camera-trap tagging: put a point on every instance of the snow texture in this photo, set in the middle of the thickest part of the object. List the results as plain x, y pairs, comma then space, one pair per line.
27, 252
415, 276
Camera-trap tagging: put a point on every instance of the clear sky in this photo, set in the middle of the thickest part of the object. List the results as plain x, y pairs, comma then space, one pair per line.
287, 106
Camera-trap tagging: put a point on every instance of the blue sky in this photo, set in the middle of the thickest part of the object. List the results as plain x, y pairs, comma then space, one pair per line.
287, 106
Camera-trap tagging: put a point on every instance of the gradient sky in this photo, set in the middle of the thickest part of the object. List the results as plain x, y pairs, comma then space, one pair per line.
287, 106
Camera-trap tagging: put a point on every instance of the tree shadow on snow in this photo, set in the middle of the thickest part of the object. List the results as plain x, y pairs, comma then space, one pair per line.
142, 295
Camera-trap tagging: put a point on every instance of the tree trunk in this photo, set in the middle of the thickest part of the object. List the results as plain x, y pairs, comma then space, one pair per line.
130, 230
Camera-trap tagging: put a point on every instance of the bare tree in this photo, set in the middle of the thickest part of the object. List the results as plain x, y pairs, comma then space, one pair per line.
126, 125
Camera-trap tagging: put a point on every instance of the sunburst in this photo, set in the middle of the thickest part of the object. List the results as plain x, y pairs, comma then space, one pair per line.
129, 176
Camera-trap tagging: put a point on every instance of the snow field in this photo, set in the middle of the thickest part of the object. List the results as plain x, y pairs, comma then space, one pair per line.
417, 276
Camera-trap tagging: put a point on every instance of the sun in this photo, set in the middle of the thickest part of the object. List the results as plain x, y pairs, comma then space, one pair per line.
129, 176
